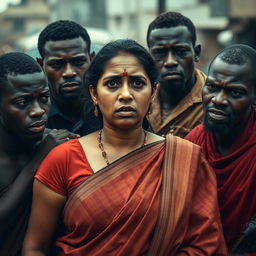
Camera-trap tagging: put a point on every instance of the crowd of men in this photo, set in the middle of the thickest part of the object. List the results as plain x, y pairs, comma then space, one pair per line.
42, 104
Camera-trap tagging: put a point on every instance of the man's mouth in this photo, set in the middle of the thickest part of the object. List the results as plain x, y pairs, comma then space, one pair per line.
217, 114
171, 75
38, 126
70, 86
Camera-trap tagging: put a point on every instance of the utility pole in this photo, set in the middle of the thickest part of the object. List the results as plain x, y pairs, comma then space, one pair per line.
161, 6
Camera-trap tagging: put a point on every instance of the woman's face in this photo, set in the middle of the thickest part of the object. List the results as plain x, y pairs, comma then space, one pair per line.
124, 92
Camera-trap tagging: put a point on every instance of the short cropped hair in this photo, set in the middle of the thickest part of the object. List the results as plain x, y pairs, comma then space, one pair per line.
62, 30
17, 63
238, 54
169, 20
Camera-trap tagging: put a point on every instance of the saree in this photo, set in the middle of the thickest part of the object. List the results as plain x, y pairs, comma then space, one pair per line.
127, 208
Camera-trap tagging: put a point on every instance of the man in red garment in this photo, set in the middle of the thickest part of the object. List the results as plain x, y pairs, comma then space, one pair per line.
228, 139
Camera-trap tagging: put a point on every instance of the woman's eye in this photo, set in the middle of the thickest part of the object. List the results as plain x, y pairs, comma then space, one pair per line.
138, 83
112, 83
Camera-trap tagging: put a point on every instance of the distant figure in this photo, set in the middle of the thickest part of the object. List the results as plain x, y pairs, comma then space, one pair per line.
24, 142
228, 137
123, 191
177, 109
65, 50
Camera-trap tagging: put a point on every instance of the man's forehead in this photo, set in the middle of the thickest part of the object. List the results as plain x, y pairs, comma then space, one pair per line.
76, 45
221, 67
173, 34
30, 80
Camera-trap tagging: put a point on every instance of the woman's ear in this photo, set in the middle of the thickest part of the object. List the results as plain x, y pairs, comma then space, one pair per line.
155, 91
93, 94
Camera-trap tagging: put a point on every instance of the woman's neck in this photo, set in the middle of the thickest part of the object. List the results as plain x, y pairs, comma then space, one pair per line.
123, 138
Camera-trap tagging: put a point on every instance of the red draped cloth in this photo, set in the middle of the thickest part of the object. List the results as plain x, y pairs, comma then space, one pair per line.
158, 200
236, 177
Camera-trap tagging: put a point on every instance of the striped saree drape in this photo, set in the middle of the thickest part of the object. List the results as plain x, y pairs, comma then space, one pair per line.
142, 205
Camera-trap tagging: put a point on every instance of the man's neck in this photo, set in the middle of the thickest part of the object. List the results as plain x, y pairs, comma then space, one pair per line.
71, 109
170, 100
13, 145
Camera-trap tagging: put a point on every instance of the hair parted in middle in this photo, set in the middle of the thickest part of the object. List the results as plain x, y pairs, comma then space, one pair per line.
111, 50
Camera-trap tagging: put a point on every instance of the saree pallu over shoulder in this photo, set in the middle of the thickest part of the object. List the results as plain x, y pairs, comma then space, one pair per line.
189, 220
114, 211
141, 205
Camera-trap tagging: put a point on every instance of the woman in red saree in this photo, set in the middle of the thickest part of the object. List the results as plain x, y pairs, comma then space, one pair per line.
122, 190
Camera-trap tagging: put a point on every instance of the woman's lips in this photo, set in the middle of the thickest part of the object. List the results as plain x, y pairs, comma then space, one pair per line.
126, 112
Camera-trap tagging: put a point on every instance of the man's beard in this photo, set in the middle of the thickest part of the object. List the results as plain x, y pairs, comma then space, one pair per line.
220, 127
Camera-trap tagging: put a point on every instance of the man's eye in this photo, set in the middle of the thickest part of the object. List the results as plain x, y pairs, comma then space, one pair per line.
56, 64
21, 103
181, 51
211, 87
236, 93
158, 55
45, 99
79, 62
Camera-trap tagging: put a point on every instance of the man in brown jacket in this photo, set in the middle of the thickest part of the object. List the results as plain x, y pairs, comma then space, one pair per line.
177, 109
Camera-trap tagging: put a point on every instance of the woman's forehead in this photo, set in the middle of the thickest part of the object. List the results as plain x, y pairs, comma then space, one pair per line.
124, 63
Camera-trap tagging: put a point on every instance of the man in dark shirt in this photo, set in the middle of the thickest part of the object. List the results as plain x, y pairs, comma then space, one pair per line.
24, 142
64, 47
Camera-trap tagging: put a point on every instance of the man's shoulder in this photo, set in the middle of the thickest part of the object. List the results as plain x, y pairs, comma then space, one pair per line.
195, 134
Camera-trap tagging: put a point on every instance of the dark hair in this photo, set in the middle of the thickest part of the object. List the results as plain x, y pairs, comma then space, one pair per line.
238, 54
111, 50
62, 30
15, 63
169, 20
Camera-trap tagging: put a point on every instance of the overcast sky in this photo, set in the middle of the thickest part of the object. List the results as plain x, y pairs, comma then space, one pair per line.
4, 3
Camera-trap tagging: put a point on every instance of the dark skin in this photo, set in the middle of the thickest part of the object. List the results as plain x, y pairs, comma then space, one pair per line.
65, 63
24, 105
228, 97
175, 54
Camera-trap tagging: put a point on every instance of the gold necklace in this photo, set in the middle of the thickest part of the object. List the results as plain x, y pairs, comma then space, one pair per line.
104, 153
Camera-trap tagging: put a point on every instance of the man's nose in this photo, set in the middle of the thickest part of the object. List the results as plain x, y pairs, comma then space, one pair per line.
69, 71
36, 110
170, 60
220, 98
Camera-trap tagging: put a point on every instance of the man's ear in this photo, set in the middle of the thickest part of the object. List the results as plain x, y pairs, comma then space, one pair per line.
93, 94
39, 61
197, 50
92, 55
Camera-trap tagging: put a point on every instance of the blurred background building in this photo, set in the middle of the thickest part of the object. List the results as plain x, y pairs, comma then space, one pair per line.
218, 22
